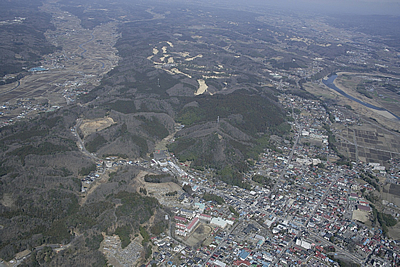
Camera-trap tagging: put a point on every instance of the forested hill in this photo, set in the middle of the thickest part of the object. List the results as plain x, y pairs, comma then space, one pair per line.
144, 84
169, 73
41, 169
22, 40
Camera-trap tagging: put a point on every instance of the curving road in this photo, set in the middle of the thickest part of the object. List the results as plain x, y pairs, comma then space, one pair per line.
82, 144
6, 92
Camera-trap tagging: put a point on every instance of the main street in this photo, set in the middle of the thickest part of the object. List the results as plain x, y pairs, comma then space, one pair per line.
289, 159
304, 227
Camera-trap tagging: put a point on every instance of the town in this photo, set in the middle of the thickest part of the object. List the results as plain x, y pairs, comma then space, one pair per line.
184, 134
306, 209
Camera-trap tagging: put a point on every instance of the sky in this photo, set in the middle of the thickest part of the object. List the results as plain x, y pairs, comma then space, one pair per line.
367, 7
362, 7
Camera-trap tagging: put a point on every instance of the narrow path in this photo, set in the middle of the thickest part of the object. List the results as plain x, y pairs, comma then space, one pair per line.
82, 144
82, 148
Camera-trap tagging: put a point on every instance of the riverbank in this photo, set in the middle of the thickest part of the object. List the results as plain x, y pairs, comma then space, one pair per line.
330, 82
350, 89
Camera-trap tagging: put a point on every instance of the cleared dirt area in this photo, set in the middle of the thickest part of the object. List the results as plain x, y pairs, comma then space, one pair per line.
193, 58
394, 232
158, 190
202, 87
201, 233
7, 201
395, 190
91, 126
361, 216
174, 71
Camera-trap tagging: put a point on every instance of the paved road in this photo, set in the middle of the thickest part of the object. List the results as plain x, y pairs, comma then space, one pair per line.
339, 249
287, 164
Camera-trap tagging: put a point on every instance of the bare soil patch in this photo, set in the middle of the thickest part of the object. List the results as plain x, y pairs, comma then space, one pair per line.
200, 234
7, 200
91, 126
159, 190
202, 87
361, 216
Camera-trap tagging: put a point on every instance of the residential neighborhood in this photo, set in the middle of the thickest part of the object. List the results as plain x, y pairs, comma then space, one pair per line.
313, 212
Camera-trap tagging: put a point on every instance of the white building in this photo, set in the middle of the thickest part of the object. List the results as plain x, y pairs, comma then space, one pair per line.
219, 222
303, 244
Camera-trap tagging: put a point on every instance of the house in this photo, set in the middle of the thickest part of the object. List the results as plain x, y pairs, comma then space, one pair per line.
180, 226
241, 263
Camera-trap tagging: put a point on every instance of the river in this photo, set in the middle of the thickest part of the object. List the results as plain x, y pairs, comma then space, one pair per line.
330, 83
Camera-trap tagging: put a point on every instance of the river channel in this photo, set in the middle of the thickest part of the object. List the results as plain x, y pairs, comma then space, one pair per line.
330, 83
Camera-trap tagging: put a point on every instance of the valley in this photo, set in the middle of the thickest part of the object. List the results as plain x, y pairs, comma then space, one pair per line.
180, 134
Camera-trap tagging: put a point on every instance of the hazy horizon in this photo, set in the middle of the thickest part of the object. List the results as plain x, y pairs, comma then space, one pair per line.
345, 7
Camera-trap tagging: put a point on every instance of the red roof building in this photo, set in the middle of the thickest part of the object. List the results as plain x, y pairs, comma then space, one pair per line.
177, 218
363, 208
192, 224
241, 263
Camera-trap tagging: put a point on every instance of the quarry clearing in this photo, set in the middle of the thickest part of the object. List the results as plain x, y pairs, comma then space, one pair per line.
202, 87
158, 190
91, 126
